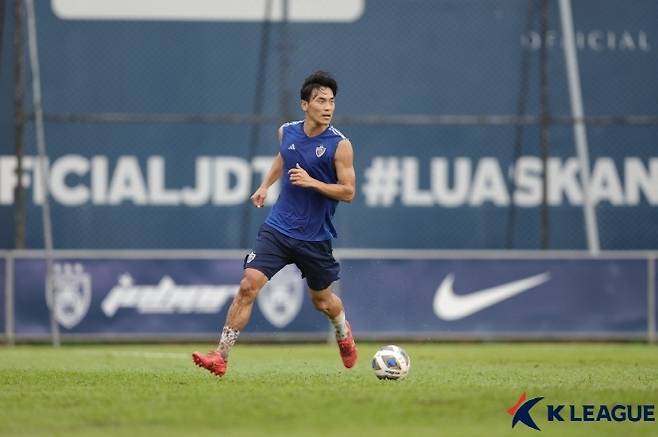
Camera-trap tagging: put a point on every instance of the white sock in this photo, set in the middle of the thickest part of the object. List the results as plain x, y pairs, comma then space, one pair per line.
340, 325
226, 342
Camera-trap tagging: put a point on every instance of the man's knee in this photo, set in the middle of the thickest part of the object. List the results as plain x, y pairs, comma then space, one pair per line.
248, 290
321, 299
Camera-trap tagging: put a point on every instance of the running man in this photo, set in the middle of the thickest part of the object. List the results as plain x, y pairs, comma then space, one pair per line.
317, 161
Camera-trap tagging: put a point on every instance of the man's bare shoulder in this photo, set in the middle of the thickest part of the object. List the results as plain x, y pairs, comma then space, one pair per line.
345, 144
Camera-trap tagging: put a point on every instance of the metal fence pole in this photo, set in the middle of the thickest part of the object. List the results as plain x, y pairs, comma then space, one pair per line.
19, 126
544, 131
2, 30
519, 129
580, 133
45, 184
284, 62
259, 99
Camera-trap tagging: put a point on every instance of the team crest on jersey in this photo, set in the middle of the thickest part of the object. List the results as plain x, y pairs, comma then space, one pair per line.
319, 151
281, 299
71, 290
250, 257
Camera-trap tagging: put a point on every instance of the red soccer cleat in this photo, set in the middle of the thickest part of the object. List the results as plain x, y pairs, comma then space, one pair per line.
212, 361
347, 348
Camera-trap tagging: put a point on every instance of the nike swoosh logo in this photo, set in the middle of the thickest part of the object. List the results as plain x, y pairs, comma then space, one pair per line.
451, 306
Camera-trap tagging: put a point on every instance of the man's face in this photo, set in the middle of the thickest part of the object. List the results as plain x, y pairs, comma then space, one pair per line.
320, 107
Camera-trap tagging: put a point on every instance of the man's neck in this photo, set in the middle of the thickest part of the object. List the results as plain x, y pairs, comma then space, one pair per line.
313, 129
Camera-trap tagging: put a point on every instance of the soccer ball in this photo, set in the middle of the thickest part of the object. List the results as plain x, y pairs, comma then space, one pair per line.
391, 362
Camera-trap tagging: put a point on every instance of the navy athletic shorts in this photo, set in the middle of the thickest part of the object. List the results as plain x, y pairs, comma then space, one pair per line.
274, 250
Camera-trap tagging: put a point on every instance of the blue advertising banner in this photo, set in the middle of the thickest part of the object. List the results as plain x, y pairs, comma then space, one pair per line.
654, 263
483, 297
168, 297
434, 297
2, 294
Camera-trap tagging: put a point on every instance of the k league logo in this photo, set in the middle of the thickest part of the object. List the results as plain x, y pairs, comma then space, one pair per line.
71, 293
281, 299
580, 413
520, 411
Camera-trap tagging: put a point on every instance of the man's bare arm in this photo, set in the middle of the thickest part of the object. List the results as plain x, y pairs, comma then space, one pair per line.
345, 189
273, 175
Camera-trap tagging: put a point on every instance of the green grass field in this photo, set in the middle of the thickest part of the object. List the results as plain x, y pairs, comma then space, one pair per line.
452, 390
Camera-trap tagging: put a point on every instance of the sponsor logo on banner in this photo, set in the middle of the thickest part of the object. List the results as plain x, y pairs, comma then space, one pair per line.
71, 293
611, 412
166, 297
451, 306
281, 299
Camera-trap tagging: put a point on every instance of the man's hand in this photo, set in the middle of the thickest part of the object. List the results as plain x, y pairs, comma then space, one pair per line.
258, 198
300, 178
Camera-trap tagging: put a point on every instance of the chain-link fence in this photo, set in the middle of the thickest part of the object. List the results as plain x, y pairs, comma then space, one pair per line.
158, 130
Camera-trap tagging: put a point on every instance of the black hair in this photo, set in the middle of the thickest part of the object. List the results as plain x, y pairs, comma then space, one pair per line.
317, 80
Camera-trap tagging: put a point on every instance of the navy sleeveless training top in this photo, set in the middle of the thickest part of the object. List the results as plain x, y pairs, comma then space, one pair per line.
304, 213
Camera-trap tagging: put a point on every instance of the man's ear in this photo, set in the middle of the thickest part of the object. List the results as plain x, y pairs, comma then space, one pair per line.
304, 105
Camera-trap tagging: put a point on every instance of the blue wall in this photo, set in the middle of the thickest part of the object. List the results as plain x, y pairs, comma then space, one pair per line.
422, 57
